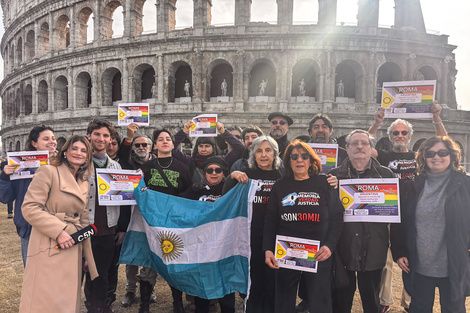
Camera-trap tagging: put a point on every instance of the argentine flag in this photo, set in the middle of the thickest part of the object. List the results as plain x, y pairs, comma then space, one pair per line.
201, 248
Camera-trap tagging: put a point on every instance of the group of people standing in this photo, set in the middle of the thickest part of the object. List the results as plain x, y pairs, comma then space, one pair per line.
431, 244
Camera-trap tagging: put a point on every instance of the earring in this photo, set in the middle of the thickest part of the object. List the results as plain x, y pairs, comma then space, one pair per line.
65, 157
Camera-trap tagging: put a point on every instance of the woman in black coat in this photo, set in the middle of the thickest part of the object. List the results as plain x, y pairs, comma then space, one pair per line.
431, 244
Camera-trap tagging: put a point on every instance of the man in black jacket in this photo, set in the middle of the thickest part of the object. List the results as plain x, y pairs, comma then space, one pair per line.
363, 246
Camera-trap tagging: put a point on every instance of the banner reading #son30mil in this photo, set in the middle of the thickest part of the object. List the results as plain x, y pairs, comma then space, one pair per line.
370, 200
411, 99
116, 187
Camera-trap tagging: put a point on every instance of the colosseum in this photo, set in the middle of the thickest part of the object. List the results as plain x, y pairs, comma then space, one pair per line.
56, 74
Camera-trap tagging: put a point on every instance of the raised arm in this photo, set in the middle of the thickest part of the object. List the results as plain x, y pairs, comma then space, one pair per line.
436, 110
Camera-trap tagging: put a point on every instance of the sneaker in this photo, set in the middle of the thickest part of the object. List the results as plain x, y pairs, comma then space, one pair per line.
302, 307
10, 215
384, 309
153, 298
128, 299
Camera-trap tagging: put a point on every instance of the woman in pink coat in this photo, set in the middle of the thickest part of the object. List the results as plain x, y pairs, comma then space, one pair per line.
56, 207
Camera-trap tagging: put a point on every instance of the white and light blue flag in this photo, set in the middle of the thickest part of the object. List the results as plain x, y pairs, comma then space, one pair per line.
201, 248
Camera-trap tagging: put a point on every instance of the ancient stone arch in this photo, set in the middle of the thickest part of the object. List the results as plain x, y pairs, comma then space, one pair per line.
83, 21
107, 18
83, 90
43, 97
61, 93
387, 72
28, 99
18, 102
29, 46
178, 73
351, 74
308, 71
62, 32
262, 69
44, 39
19, 50
144, 79
220, 70
111, 86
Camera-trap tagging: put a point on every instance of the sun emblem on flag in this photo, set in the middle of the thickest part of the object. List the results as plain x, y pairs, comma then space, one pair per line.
171, 245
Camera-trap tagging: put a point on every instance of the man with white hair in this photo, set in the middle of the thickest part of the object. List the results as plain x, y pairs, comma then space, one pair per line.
402, 162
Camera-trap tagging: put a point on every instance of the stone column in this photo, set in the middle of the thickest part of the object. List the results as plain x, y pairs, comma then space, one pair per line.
408, 15
202, 13
368, 14
97, 24
242, 12
73, 28
238, 94
70, 89
23, 48
95, 91
128, 29
285, 11
50, 93
327, 12
198, 81
34, 95
52, 31
160, 80
442, 95
125, 80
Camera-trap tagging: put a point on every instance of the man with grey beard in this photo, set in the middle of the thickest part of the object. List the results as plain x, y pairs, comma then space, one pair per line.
140, 153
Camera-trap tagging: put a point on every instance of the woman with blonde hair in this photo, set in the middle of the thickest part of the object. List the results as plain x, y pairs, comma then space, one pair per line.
56, 207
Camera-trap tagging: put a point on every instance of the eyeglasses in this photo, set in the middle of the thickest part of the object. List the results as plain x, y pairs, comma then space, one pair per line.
357, 143
295, 156
442, 153
144, 145
403, 132
281, 122
212, 170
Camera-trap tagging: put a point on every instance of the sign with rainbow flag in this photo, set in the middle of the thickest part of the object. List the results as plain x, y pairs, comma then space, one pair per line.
370, 200
116, 187
27, 162
411, 99
133, 113
297, 253
328, 154
204, 126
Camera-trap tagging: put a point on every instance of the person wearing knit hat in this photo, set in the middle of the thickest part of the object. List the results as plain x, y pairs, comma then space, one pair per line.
204, 148
210, 189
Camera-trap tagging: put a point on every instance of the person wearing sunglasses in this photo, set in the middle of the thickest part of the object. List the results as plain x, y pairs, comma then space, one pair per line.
204, 148
210, 189
302, 204
362, 247
431, 243
278, 127
402, 161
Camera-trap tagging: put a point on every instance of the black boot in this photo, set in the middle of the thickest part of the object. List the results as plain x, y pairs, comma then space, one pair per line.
177, 300
145, 292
